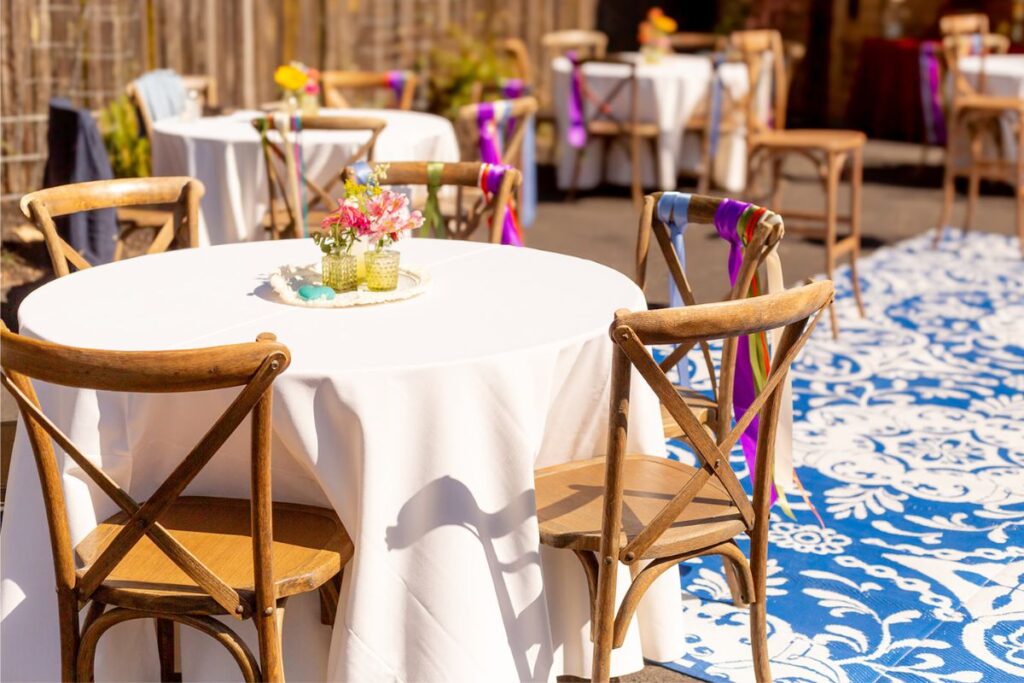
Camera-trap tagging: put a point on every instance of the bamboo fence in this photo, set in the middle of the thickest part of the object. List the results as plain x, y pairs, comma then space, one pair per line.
88, 50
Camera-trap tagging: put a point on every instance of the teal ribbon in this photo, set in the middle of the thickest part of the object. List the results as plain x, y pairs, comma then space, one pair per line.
433, 221
673, 210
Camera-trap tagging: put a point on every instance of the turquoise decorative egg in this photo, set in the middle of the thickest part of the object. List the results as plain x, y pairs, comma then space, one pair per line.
312, 292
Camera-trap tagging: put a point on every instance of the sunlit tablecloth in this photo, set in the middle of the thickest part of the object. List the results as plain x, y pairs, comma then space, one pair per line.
224, 152
419, 422
670, 93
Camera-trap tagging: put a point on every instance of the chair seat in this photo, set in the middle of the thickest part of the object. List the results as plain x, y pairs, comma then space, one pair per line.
570, 498
604, 127
702, 406
989, 103
310, 547
805, 138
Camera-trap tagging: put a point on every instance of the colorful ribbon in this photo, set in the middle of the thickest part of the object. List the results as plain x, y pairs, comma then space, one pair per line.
577, 133
735, 222
673, 210
491, 177
301, 173
931, 95
715, 113
977, 44
513, 88
396, 81
433, 221
362, 172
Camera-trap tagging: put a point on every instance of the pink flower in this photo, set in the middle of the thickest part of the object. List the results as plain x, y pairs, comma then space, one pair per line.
347, 215
388, 216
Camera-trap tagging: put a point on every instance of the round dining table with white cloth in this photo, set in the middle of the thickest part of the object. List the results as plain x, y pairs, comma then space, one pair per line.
670, 92
420, 422
225, 153
1004, 77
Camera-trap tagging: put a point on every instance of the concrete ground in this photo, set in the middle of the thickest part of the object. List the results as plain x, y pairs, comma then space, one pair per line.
901, 198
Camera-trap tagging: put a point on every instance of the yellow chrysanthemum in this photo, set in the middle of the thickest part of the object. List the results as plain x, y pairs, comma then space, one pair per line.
289, 77
664, 23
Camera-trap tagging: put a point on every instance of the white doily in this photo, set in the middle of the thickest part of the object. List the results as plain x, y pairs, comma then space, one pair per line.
287, 280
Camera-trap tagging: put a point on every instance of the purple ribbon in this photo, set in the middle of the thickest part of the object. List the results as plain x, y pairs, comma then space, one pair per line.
396, 81
931, 96
512, 88
727, 222
494, 174
490, 149
577, 134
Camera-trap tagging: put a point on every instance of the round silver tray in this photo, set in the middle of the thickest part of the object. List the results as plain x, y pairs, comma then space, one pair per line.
286, 281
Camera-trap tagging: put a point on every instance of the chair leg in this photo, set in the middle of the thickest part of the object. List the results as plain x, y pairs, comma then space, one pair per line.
834, 165
856, 180
70, 637
577, 167
167, 646
604, 622
655, 165
269, 636
776, 196
637, 184
974, 184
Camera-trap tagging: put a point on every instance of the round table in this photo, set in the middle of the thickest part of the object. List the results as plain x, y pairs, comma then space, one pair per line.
224, 152
670, 92
420, 422
1004, 77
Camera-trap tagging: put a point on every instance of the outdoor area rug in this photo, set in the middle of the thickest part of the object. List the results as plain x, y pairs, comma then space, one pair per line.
909, 438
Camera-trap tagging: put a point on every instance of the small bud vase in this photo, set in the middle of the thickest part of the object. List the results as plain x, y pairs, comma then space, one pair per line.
339, 272
309, 105
381, 270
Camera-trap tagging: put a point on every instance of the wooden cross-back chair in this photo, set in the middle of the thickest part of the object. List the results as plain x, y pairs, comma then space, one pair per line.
287, 215
362, 83
760, 249
956, 24
829, 150
977, 118
469, 209
652, 513
604, 124
585, 44
175, 558
206, 86
689, 41
181, 228
516, 113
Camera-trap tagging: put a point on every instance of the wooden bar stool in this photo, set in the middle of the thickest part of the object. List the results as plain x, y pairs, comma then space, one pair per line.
768, 141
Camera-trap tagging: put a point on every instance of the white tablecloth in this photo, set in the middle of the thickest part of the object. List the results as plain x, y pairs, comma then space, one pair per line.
1004, 77
420, 422
224, 152
670, 93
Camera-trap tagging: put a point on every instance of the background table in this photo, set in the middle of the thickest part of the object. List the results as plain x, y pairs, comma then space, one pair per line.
671, 92
1004, 77
419, 422
224, 152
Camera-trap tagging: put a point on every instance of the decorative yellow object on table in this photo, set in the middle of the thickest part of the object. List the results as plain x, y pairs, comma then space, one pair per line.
654, 33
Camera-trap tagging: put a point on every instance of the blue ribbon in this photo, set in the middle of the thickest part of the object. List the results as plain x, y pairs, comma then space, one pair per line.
977, 44
363, 172
673, 209
716, 106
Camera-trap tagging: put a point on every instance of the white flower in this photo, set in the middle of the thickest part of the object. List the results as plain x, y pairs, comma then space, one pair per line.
808, 538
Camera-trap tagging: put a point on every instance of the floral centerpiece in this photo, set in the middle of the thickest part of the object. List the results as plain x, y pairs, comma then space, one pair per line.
654, 33
371, 213
301, 83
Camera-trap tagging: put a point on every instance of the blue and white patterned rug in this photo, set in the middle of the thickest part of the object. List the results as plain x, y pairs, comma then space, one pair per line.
909, 437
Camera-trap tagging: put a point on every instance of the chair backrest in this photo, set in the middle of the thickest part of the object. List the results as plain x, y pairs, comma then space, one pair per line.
585, 43
508, 119
283, 174
180, 230
470, 208
252, 366
760, 241
633, 332
205, 86
620, 100
687, 41
957, 46
360, 84
755, 48
955, 24
516, 51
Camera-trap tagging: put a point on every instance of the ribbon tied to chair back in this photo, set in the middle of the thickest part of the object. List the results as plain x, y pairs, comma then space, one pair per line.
433, 221
496, 123
931, 94
491, 177
672, 211
396, 81
576, 135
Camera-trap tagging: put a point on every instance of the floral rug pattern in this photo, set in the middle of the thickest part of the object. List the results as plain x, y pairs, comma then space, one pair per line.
909, 438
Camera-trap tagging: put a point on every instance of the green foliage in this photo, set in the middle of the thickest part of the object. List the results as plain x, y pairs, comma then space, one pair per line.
732, 15
462, 65
127, 148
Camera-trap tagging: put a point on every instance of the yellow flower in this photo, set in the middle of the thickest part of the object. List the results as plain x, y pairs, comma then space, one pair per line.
665, 24
289, 77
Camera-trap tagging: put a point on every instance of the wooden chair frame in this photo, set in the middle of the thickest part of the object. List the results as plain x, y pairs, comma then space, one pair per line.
253, 367
205, 85
282, 175
463, 175
772, 144
980, 117
796, 312
331, 81
763, 245
518, 111
181, 228
586, 44
957, 24
689, 41
608, 127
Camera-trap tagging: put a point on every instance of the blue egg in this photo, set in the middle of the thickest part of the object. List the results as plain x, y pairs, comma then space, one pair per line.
311, 292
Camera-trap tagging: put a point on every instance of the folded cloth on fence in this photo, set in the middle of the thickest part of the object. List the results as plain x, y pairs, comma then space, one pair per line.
163, 92
77, 155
